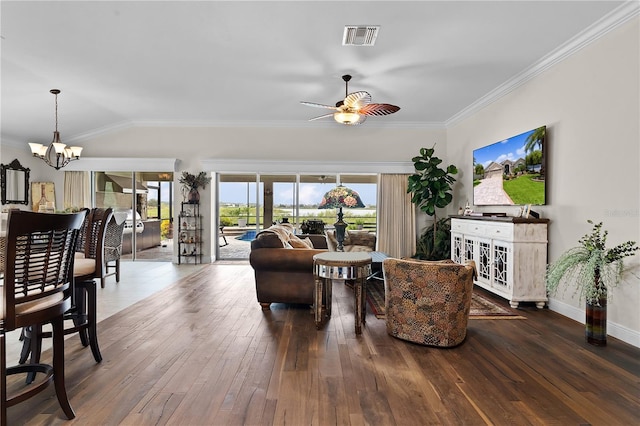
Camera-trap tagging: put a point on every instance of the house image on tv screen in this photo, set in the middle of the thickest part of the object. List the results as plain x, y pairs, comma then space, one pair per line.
511, 172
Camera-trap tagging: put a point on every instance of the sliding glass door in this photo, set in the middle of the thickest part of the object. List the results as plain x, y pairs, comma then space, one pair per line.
248, 203
144, 201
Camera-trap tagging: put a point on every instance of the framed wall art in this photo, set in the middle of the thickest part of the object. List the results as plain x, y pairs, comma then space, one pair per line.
43, 197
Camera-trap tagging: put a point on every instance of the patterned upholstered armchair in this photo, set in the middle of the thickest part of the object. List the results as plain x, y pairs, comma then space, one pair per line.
428, 302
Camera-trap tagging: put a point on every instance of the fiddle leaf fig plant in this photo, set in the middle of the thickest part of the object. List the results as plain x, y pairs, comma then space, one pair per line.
431, 187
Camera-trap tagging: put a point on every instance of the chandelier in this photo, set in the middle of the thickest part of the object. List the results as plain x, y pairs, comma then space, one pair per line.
56, 155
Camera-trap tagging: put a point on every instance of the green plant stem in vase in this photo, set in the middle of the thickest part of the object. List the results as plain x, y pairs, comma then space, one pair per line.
594, 270
596, 316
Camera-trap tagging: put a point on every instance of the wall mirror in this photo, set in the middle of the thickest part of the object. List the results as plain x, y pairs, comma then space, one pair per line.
15, 183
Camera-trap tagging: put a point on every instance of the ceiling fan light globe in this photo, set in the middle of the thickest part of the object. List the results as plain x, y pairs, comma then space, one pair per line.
346, 117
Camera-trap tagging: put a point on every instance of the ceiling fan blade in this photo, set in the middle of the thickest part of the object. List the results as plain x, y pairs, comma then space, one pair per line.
313, 104
357, 100
322, 116
378, 109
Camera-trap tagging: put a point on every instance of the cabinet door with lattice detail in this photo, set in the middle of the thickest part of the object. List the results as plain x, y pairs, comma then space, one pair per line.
483, 262
470, 249
502, 266
456, 248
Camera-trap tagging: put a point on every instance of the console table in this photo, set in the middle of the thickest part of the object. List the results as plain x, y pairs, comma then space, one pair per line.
510, 254
335, 265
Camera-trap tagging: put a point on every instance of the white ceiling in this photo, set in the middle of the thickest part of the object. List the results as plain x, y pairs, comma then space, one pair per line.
124, 63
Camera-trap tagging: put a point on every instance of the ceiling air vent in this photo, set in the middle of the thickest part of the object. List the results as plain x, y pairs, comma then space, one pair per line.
360, 35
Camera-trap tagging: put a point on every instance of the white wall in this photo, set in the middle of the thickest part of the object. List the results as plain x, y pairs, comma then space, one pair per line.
590, 104
39, 172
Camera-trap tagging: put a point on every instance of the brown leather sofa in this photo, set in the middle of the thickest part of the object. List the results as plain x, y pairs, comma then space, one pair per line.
284, 275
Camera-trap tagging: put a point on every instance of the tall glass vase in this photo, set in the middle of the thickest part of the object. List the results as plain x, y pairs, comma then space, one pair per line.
596, 319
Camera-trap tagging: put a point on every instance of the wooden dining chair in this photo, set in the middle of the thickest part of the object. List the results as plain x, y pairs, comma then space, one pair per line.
37, 289
82, 315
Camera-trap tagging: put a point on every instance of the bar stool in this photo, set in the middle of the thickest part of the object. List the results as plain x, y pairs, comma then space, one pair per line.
88, 266
37, 289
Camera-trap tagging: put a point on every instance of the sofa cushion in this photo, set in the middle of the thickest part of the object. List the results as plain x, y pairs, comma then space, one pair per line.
267, 240
297, 242
276, 236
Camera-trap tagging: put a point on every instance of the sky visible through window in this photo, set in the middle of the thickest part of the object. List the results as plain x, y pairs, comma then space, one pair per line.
310, 193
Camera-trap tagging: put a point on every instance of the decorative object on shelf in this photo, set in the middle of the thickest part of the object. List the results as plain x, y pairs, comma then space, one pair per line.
191, 183
595, 270
337, 198
56, 155
190, 231
431, 187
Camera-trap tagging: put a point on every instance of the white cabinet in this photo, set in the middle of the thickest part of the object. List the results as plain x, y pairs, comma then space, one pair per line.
510, 255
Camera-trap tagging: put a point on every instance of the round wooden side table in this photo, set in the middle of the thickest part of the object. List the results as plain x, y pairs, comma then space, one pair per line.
335, 265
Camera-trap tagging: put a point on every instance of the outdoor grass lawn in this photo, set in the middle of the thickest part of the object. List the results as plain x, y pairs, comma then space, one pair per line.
523, 190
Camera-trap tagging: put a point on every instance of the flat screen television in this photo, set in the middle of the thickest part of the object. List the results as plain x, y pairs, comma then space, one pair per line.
512, 171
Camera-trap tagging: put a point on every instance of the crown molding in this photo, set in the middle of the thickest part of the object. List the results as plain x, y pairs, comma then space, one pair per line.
606, 24
123, 164
233, 165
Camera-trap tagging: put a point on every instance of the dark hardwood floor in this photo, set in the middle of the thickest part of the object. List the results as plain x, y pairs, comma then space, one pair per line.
202, 352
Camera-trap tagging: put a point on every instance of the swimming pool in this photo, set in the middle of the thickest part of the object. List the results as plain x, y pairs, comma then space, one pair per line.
247, 236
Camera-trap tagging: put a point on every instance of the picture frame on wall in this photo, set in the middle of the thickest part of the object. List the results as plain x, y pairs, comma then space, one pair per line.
43, 197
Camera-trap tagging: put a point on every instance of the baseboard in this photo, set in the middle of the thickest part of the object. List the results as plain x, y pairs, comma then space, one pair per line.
618, 331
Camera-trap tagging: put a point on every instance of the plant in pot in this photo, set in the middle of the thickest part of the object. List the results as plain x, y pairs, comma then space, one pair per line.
431, 188
595, 270
190, 184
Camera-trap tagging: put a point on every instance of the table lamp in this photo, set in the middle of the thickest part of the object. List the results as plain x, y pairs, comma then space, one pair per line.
337, 198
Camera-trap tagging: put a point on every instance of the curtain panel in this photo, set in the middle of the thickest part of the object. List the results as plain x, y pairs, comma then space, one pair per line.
396, 217
77, 190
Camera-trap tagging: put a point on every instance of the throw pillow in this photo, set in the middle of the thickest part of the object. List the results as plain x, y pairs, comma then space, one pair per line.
300, 243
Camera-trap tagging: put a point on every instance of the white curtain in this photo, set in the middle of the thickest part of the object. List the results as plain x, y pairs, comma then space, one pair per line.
77, 190
396, 217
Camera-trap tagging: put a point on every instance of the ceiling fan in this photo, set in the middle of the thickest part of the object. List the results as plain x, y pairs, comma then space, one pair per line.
355, 107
